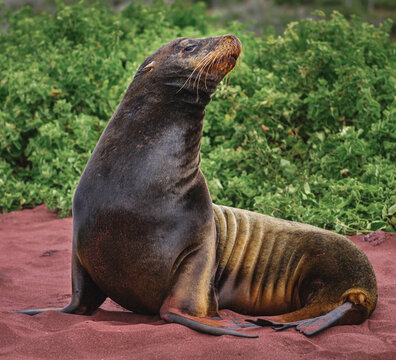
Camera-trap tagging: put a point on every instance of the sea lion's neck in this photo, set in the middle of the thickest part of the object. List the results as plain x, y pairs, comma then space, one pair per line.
188, 92
172, 90
160, 124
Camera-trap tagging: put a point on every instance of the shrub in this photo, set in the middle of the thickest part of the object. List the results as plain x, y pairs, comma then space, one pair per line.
300, 137
304, 129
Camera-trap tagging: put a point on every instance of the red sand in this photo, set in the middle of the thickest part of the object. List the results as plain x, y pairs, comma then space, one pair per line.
35, 252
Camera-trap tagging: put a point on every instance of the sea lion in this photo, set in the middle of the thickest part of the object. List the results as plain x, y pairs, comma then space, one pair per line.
146, 234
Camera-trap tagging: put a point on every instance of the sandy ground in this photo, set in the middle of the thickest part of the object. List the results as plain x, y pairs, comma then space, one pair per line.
35, 253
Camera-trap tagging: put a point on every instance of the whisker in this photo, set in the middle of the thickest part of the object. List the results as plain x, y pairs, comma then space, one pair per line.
208, 68
199, 79
203, 65
192, 73
188, 79
228, 79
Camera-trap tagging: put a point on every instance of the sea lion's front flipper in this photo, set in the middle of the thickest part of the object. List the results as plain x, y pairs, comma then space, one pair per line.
208, 325
36, 311
194, 294
313, 325
86, 296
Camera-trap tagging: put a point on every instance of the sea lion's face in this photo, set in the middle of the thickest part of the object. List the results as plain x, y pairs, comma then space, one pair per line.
193, 63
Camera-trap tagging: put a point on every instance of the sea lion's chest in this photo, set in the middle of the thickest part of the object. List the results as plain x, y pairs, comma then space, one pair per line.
142, 237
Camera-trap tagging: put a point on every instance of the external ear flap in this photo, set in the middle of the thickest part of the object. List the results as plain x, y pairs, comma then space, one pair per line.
149, 66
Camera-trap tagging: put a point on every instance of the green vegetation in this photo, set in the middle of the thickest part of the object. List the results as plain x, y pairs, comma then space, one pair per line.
304, 129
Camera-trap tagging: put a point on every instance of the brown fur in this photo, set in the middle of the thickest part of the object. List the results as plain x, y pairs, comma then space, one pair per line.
146, 234
269, 266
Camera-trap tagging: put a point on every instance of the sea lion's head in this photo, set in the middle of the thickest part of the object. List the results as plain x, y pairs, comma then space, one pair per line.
191, 64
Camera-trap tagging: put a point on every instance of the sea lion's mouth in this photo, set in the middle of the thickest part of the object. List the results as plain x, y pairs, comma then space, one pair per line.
232, 59
224, 64
224, 57
234, 56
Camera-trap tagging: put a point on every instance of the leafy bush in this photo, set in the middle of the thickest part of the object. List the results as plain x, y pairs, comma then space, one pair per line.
304, 129
389, 4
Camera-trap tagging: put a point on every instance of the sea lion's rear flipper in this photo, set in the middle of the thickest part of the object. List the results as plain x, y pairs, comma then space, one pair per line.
86, 296
313, 325
207, 325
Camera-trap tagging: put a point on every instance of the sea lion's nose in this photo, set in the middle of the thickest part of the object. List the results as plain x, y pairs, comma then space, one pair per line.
235, 42
233, 38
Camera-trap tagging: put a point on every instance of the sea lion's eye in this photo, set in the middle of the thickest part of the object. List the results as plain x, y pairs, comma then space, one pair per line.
190, 48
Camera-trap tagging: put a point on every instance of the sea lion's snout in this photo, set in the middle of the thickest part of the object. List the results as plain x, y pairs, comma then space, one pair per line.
216, 56
236, 46
234, 50
223, 54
